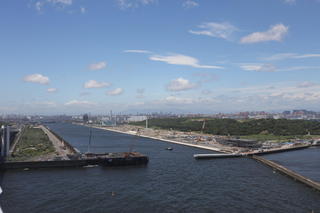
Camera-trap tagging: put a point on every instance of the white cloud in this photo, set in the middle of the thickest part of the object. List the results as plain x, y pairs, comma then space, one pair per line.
36, 78
275, 33
79, 103
283, 56
179, 59
273, 68
297, 68
98, 66
51, 90
38, 5
177, 100
117, 91
214, 29
136, 51
95, 84
259, 67
180, 84
61, 3
83, 10
290, 1
307, 84
190, 4
125, 4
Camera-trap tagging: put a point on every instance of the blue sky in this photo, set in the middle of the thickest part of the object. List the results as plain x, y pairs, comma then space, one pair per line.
207, 56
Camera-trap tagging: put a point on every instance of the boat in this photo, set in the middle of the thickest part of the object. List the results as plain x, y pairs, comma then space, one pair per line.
123, 159
114, 159
169, 148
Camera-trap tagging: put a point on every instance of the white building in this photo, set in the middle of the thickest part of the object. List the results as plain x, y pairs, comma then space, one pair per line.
136, 118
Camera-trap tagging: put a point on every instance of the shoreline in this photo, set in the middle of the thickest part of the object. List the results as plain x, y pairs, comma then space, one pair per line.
161, 139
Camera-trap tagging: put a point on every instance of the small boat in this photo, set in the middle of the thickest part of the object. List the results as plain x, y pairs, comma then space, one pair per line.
169, 148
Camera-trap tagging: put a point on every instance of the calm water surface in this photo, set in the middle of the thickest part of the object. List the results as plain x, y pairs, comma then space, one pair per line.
172, 182
305, 161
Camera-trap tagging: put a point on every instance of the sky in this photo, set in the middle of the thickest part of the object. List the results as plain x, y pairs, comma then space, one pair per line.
181, 56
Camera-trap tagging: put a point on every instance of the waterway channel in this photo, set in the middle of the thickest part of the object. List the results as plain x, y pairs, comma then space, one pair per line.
173, 181
305, 162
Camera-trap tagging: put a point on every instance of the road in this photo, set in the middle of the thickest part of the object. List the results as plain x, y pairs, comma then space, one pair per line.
58, 145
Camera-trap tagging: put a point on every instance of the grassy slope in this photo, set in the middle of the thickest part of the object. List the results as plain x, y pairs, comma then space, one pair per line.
33, 143
263, 129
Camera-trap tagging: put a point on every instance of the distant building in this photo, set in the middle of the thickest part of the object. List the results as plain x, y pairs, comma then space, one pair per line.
85, 118
136, 118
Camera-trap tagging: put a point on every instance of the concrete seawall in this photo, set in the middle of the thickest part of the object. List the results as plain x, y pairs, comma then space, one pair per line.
282, 150
315, 185
64, 142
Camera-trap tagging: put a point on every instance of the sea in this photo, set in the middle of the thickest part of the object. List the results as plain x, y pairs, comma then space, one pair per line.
173, 181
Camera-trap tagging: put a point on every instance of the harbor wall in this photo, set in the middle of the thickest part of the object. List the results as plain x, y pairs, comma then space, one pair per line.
282, 150
315, 185
64, 142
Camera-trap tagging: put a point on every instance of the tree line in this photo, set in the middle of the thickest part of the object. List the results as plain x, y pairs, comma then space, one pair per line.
240, 128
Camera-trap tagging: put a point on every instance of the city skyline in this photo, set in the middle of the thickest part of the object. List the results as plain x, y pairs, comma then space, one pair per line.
78, 56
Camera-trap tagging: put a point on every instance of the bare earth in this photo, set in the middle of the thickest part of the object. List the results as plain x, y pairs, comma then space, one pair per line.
194, 139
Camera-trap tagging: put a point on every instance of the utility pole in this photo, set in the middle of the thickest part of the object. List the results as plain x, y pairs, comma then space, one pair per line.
147, 123
89, 144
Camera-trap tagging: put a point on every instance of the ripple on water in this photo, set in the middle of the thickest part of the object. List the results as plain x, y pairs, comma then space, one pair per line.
172, 182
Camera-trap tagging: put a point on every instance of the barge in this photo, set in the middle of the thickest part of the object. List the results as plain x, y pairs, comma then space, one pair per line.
88, 159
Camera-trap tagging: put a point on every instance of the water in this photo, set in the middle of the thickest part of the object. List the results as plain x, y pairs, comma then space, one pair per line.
305, 161
172, 182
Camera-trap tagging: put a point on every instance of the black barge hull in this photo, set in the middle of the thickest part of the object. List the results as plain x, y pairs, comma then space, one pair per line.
108, 162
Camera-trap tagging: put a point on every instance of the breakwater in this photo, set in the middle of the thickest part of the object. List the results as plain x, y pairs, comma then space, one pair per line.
271, 151
64, 142
288, 172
